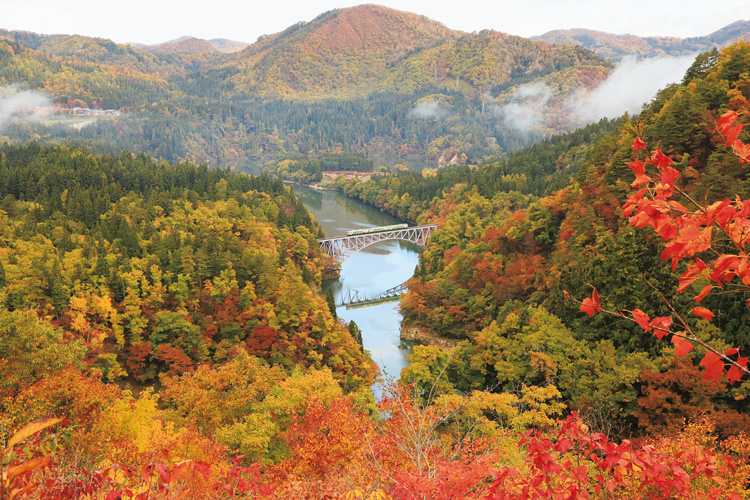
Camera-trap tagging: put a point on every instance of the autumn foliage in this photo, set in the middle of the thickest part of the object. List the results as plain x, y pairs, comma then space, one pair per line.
162, 338
689, 234
579, 464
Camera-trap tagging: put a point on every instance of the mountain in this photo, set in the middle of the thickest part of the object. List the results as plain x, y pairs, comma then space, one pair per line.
184, 45
352, 52
192, 45
615, 47
227, 46
340, 53
96, 71
365, 79
730, 34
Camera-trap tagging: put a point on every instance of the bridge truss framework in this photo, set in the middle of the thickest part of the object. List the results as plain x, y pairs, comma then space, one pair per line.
343, 247
352, 299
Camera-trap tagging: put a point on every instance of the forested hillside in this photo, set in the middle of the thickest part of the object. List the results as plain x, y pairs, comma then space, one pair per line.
583, 303
161, 268
534, 170
163, 318
366, 79
493, 278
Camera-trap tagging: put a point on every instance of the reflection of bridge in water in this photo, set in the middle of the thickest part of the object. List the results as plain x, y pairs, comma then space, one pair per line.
352, 298
343, 247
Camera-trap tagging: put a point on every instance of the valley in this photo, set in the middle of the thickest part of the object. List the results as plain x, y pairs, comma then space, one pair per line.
579, 315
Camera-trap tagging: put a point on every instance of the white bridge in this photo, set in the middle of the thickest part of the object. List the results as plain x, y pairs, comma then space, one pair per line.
343, 247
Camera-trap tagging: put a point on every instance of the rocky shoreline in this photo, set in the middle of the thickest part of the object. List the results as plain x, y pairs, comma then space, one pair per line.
424, 337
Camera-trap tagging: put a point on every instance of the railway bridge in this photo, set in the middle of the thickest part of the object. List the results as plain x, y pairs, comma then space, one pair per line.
343, 247
352, 298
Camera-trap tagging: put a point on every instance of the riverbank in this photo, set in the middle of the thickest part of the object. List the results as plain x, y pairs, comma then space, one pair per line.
349, 174
424, 337
328, 183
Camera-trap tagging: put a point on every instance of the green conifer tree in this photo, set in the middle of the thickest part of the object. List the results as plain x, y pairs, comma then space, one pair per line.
331, 303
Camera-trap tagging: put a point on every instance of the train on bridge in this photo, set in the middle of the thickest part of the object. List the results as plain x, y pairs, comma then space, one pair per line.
380, 229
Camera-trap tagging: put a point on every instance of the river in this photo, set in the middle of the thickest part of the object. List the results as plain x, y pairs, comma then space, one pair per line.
369, 272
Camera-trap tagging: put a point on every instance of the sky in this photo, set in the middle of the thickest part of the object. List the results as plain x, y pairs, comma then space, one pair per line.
156, 21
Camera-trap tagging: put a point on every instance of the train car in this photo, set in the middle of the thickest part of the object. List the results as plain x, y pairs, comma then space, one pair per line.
380, 229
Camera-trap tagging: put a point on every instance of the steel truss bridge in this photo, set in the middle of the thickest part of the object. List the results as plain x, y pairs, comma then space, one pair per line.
352, 299
343, 247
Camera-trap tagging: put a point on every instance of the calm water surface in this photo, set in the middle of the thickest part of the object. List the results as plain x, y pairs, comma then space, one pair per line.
369, 272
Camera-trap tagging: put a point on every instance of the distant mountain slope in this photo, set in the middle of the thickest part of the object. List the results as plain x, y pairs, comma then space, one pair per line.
615, 47
96, 71
227, 46
355, 51
364, 79
185, 45
732, 33
193, 45
341, 53
102, 55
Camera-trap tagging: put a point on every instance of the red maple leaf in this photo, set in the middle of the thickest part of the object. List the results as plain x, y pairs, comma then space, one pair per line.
669, 175
735, 374
742, 150
163, 473
640, 180
638, 144
703, 313
638, 167
661, 326
661, 161
682, 346
704, 292
726, 120
204, 469
714, 365
733, 133
642, 319
591, 305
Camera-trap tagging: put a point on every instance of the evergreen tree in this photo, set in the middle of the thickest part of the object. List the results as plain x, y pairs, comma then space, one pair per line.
332, 303
355, 332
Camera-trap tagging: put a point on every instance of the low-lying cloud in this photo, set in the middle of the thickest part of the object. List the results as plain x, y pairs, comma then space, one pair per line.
23, 105
630, 85
429, 111
525, 111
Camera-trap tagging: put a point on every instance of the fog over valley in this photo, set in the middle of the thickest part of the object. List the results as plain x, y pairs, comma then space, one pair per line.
627, 88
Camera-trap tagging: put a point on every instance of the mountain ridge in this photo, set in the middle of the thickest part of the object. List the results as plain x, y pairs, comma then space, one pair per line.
366, 79
617, 46
356, 43
352, 52
189, 45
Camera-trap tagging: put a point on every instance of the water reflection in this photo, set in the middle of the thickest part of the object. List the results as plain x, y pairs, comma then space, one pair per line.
370, 272
376, 269
312, 198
